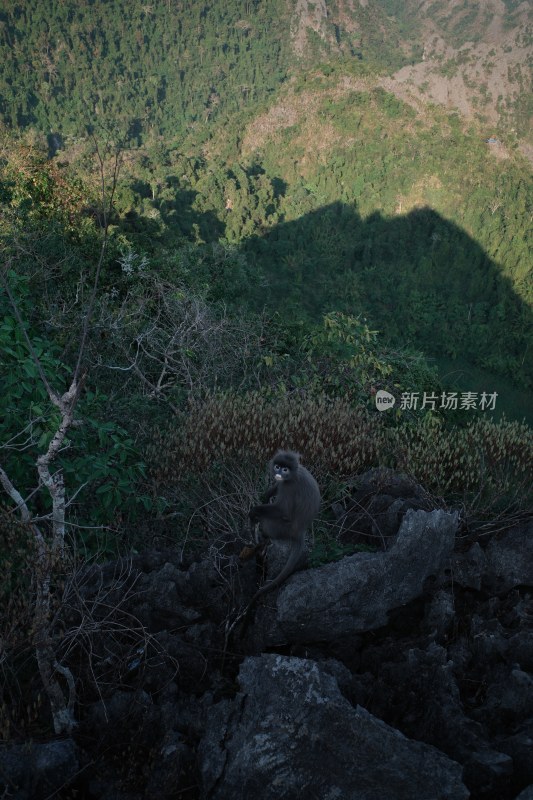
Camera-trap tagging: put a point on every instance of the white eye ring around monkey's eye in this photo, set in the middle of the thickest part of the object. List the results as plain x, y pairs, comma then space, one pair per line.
284, 469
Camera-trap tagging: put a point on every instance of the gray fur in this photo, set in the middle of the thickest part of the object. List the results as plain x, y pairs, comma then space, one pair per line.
293, 503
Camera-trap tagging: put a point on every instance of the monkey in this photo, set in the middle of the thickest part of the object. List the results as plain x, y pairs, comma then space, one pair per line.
292, 503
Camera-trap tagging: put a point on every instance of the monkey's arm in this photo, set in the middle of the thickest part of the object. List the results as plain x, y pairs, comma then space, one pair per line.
267, 500
267, 511
272, 491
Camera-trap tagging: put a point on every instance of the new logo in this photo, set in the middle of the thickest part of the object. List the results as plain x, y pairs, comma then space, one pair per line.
384, 400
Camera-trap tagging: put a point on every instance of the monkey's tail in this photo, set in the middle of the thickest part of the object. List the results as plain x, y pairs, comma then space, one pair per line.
294, 558
292, 562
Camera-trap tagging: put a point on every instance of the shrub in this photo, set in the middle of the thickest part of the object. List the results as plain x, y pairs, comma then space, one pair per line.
330, 433
485, 463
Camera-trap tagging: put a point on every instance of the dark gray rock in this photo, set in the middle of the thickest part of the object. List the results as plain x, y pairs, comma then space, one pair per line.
160, 606
36, 771
131, 706
489, 771
524, 611
382, 480
432, 709
466, 569
373, 511
508, 700
520, 648
420, 695
440, 614
488, 639
510, 559
357, 593
520, 748
343, 676
290, 733
527, 794
172, 758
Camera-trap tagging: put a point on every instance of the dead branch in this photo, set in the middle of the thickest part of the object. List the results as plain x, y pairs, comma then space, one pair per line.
51, 554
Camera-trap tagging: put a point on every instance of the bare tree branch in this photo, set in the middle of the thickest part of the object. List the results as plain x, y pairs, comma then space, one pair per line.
49, 555
15, 496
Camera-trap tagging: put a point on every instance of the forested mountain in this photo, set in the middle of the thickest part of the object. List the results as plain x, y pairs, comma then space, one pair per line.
157, 67
368, 157
163, 66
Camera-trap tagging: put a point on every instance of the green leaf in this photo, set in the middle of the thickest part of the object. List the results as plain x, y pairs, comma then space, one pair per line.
146, 501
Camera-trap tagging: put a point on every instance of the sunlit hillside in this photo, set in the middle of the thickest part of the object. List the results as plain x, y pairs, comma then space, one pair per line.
365, 157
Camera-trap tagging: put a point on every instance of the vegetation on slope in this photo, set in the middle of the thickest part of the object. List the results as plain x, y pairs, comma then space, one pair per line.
161, 67
341, 198
164, 333
299, 219
276, 202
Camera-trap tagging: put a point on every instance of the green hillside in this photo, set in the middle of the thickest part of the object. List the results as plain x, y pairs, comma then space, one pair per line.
343, 198
160, 67
165, 68
282, 133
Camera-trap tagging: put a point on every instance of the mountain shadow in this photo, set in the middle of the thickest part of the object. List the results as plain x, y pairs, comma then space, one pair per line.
176, 215
419, 278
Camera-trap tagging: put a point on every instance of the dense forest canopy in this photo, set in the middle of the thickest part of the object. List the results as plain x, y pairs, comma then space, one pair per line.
153, 67
165, 67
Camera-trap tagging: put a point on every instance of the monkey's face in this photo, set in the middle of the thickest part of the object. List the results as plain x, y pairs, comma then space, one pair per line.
282, 472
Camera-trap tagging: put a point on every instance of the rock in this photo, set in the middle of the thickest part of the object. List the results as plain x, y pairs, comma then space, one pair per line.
37, 771
520, 748
527, 794
520, 648
440, 614
160, 607
382, 480
432, 709
423, 700
488, 639
524, 611
290, 733
489, 772
376, 506
357, 593
126, 720
342, 675
172, 759
466, 569
130, 706
508, 700
432, 643
510, 559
